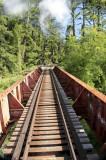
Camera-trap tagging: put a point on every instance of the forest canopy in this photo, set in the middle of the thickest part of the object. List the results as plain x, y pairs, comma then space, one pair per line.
79, 47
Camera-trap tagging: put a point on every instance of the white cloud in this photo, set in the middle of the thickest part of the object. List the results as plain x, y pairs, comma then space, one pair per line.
55, 8
15, 7
58, 9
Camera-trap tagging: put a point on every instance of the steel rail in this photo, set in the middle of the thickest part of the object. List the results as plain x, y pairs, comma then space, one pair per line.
25, 155
18, 149
32, 145
72, 152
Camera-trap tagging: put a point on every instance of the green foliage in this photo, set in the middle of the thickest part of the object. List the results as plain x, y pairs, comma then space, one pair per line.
23, 44
7, 140
9, 80
93, 140
85, 58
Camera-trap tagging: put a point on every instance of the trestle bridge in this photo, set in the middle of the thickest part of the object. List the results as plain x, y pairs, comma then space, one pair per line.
48, 127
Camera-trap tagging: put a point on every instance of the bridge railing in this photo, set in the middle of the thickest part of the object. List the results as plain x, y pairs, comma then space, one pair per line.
88, 102
11, 99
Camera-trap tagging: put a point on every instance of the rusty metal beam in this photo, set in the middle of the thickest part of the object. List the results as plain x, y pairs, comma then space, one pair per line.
16, 108
88, 101
2, 120
13, 96
86, 86
78, 100
9, 89
31, 83
26, 91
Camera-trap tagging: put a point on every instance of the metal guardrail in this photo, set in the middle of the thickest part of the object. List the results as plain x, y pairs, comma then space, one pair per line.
11, 99
88, 102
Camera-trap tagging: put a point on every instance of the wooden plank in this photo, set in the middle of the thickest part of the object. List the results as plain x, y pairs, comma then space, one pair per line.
48, 149
48, 158
20, 122
14, 138
16, 134
48, 115
8, 151
48, 132
48, 142
46, 104
47, 107
48, 128
49, 124
48, 121
48, 137
47, 110
48, 118
19, 125
18, 129
11, 144
21, 119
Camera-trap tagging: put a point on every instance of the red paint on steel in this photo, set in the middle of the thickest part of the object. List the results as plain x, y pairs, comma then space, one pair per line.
11, 98
31, 83
26, 91
2, 120
9, 89
14, 103
16, 108
67, 75
87, 101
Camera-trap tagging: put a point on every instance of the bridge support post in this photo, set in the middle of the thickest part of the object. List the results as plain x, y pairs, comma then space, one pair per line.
81, 103
15, 107
31, 83
26, 91
2, 120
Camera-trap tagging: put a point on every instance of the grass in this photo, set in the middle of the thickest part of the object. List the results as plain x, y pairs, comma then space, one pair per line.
7, 140
91, 136
9, 79
71, 101
5, 82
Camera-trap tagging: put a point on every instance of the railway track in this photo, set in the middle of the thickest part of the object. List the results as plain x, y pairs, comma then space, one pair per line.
45, 132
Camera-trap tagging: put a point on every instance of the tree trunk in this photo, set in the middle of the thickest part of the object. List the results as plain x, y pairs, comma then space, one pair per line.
24, 41
73, 16
83, 25
44, 52
93, 19
19, 57
58, 52
52, 52
98, 23
7, 25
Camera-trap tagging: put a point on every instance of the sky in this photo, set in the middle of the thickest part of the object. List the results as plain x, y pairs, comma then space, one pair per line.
58, 9
15, 7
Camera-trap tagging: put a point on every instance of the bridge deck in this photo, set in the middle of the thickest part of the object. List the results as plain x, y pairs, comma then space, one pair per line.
49, 127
